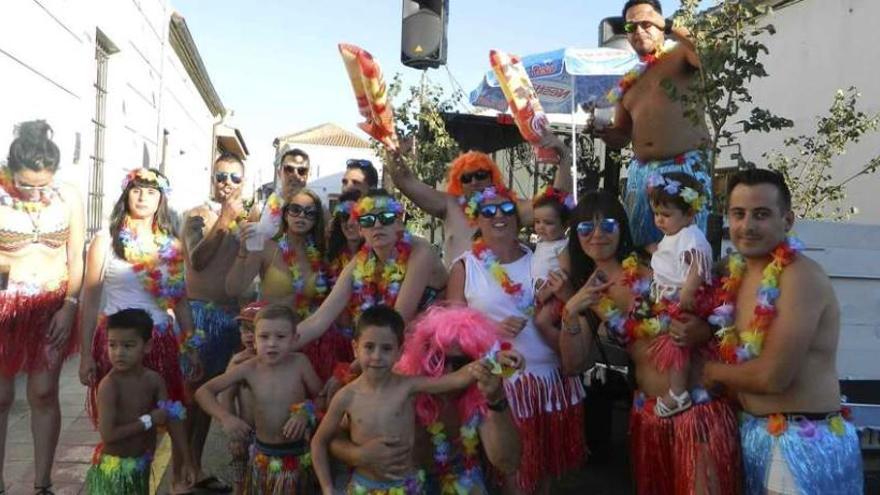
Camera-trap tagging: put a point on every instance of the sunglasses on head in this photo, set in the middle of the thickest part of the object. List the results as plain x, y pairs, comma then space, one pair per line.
384, 218
357, 163
507, 208
630, 27
220, 177
302, 171
301, 211
607, 225
478, 175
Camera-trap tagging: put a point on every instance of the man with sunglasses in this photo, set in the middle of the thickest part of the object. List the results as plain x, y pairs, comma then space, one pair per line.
211, 244
360, 175
664, 139
469, 173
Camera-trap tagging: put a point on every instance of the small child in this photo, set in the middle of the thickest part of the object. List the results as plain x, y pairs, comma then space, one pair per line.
681, 264
280, 381
132, 401
379, 403
239, 399
552, 210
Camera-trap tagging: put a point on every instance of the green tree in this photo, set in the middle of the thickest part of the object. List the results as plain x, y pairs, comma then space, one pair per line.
808, 161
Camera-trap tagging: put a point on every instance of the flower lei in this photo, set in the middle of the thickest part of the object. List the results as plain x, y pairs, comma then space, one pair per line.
524, 302
110, 464
302, 304
288, 463
640, 321
738, 347
173, 408
777, 424
629, 79
451, 482
274, 205
673, 187
147, 175
344, 208
368, 292
369, 203
563, 198
159, 267
11, 197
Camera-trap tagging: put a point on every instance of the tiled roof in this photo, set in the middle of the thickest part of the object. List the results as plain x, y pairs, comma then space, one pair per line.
325, 135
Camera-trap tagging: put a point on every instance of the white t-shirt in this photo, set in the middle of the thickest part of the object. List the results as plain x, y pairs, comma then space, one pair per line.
670, 266
546, 257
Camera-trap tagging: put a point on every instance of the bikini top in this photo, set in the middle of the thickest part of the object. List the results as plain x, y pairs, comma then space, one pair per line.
19, 229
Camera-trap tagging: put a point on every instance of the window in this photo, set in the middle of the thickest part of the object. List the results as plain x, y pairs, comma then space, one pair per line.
95, 208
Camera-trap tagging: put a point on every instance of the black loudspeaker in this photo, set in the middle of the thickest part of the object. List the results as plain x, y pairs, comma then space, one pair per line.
423, 34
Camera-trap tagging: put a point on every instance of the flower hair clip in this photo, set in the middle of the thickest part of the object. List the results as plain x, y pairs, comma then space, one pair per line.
147, 175
367, 204
674, 188
563, 198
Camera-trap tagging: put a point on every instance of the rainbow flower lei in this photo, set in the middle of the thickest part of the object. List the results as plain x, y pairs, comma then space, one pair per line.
524, 302
640, 321
344, 208
173, 408
471, 204
9, 196
288, 463
303, 304
159, 266
370, 203
147, 175
450, 481
110, 464
274, 205
367, 292
629, 79
738, 347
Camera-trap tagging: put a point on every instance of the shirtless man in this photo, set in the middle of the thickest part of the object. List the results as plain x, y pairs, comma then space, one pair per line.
280, 380
470, 172
793, 437
211, 243
663, 138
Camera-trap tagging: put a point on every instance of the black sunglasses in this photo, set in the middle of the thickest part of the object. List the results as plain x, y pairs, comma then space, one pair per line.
301, 171
507, 208
478, 175
630, 27
607, 225
220, 177
369, 220
301, 211
358, 163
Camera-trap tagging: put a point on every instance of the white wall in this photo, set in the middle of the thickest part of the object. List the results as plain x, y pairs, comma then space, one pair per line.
821, 46
47, 63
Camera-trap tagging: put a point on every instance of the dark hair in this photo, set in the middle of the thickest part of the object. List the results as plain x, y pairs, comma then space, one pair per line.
560, 209
380, 315
336, 241
277, 312
659, 195
632, 3
755, 176
33, 148
134, 319
294, 153
317, 232
163, 220
365, 166
591, 205
229, 157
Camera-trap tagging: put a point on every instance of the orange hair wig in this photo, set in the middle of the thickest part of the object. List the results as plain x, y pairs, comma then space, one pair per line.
471, 162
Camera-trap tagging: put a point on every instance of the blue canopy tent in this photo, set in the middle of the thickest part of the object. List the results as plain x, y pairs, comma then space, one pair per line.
564, 79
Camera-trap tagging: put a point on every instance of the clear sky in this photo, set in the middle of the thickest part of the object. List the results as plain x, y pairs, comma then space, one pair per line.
275, 62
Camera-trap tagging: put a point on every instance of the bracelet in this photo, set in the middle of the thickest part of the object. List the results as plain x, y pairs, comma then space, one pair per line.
72, 300
173, 408
305, 410
147, 421
499, 406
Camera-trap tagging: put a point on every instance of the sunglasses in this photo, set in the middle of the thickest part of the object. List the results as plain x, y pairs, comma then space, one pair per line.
507, 208
630, 27
384, 218
300, 171
356, 163
221, 177
478, 175
301, 211
607, 225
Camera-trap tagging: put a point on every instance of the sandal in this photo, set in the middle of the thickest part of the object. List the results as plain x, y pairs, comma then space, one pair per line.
682, 403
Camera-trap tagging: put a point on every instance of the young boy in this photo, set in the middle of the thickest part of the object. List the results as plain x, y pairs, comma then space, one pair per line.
239, 399
132, 402
280, 380
380, 402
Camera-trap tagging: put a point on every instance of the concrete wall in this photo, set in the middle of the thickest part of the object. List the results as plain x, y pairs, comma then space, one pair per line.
47, 62
821, 46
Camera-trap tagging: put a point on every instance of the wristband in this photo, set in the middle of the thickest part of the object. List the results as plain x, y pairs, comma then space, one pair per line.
499, 406
147, 421
173, 408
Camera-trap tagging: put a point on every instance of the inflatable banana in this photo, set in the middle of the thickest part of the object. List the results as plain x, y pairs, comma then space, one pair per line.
371, 94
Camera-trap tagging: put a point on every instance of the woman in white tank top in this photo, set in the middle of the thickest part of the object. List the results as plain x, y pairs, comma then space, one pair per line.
495, 277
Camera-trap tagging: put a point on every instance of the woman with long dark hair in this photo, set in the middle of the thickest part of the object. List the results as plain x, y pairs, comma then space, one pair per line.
696, 451
138, 264
41, 243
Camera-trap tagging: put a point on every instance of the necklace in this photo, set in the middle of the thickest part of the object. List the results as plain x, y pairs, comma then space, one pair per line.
524, 302
368, 290
158, 265
303, 304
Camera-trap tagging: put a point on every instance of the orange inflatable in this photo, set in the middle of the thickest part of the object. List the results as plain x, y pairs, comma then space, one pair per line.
371, 94
523, 101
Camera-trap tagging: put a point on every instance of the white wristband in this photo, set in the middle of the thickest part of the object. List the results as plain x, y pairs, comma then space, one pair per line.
147, 420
